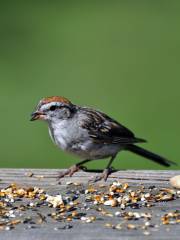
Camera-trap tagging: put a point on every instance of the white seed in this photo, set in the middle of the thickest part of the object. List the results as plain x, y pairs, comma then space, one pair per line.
175, 181
117, 183
117, 214
108, 202
143, 199
122, 206
77, 184
86, 191
69, 183
126, 198
111, 202
147, 195
118, 226
136, 215
111, 193
71, 203
55, 200
7, 228
119, 199
147, 224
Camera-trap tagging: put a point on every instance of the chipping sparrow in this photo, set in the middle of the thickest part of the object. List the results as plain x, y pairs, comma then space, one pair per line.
88, 133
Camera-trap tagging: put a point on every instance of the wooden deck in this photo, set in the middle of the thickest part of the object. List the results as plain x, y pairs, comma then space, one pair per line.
36, 221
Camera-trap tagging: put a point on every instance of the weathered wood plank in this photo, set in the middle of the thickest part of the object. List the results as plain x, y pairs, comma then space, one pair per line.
47, 179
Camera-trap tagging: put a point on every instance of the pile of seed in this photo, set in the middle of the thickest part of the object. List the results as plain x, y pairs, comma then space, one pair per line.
20, 205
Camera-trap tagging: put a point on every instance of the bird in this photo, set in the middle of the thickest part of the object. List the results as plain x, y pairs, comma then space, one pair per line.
89, 134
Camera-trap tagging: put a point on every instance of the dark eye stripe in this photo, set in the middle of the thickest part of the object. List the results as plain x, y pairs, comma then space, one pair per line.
52, 108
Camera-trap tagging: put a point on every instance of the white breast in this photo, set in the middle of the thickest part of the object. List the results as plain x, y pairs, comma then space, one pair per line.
59, 134
67, 135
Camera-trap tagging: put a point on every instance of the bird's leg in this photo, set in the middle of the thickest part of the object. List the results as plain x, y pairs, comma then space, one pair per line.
107, 171
73, 169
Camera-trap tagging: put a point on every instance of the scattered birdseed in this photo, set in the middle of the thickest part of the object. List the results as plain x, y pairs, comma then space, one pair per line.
119, 201
171, 218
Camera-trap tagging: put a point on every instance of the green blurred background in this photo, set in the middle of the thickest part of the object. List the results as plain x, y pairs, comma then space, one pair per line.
122, 57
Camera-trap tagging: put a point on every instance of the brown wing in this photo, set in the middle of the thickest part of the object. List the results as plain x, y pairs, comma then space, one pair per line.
103, 129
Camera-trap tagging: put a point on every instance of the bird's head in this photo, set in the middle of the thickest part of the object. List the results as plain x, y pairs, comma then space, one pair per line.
53, 108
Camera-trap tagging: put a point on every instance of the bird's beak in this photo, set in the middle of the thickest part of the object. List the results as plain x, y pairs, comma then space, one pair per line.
37, 115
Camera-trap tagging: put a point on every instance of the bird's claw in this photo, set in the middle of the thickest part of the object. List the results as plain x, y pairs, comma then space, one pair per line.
71, 171
104, 176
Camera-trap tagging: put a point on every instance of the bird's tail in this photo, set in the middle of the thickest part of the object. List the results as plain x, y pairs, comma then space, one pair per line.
149, 155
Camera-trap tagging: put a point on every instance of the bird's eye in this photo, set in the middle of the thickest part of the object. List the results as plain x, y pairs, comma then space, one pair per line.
52, 108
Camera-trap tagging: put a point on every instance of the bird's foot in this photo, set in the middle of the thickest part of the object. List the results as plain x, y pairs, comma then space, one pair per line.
104, 176
71, 171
